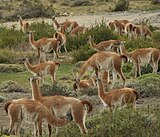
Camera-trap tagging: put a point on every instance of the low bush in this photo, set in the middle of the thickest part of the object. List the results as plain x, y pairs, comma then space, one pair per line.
76, 3
11, 86
121, 5
2, 99
11, 68
56, 89
156, 37
147, 85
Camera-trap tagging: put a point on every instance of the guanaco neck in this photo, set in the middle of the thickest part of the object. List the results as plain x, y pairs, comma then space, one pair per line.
36, 95
52, 119
123, 51
82, 70
20, 21
28, 65
101, 91
62, 29
92, 44
31, 40
56, 23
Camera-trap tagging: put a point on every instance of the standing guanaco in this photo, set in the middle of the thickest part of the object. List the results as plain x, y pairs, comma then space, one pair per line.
60, 105
26, 109
103, 60
117, 97
24, 25
43, 69
45, 44
61, 37
143, 56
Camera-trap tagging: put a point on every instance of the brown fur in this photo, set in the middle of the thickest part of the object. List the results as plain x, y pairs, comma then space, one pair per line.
143, 56
78, 30
68, 25
24, 25
104, 45
44, 44
103, 61
60, 105
118, 97
61, 37
22, 109
43, 69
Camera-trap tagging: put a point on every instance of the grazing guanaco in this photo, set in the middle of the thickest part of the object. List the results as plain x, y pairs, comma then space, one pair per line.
129, 30
68, 25
142, 31
61, 37
24, 25
78, 30
117, 97
45, 44
43, 69
30, 110
104, 45
60, 105
143, 56
103, 60
87, 83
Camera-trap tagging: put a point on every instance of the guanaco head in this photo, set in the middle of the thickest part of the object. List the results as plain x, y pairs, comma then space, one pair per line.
53, 18
34, 80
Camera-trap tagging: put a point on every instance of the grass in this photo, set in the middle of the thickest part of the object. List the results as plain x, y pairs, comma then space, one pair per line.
22, 77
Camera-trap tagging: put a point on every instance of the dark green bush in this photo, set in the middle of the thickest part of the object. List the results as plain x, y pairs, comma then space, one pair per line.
122, 5
155, 1
10, 38
2, 99
42, 30
76, 3
156, 37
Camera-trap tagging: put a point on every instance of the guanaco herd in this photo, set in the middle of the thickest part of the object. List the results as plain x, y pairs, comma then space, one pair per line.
57, 109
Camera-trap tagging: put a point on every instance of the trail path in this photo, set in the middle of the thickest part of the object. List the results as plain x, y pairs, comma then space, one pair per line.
88, 20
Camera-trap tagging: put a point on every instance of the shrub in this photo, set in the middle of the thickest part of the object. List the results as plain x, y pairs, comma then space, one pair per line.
42, 30
122, 5
156, 37
2, 99
56, 89
76, 3
11, 86
147, 85
11, 68
155, 1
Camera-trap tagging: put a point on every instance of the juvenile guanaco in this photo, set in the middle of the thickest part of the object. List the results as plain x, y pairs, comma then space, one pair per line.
24, 25
104, 45
60, 105
26, 109
43, 69
103, 60
143, 56
117, 97
61, 37
45, 44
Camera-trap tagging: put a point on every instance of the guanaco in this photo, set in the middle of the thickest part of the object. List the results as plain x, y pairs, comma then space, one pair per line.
43, 69
117, 97
142, 31
61, 37
45, 44
87, 83
103, 60
24, 25
26, 109
68, 25
104, 45
129, 30
78, 30
60, 105
143, 56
